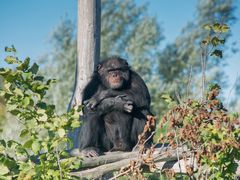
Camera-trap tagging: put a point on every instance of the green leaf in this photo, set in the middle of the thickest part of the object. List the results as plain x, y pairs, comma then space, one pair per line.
32, 123
43, 118
3, 170
15, 112
217, 53
2, 93
222, 41
225, 28
26, 101
167, 98
34, 68
35, 147
11, 60
50, 81
42, 105
4, 71
50, 108
39, 78
41, 87
207, 27
11, 107
27, 75
7, 85
75, 124
43, 133
41, 111
215, 41
70, 143
7, 49
61, 132
205, 41
23, 66
10, 49
18, 92
24, 132
213, 86
28, 144
3, 143
216, 27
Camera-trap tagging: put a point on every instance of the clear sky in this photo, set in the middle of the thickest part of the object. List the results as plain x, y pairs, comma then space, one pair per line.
27, 25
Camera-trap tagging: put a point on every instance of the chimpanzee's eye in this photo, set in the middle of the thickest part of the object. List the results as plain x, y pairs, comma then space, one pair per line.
111, 70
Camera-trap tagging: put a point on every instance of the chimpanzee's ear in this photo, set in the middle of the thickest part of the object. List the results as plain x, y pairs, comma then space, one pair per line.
126, 65
99, 69
99, 66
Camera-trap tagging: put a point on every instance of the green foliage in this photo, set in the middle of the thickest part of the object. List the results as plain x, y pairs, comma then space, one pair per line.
214, 39
44, 133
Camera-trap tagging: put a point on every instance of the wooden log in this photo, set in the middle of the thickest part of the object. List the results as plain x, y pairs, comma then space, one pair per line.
117, 160
164, 158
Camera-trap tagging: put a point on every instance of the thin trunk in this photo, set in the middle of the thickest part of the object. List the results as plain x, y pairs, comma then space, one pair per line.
88, 50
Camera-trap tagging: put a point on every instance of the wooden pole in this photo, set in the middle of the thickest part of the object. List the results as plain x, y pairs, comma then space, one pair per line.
88, 51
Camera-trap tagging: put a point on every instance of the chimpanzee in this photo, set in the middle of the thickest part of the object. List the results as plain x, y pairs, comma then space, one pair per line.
117, 102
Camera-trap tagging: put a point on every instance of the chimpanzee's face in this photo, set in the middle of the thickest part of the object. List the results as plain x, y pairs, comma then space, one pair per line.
114, 73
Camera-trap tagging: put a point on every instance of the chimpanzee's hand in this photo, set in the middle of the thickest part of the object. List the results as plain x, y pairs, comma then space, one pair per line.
128, 106
91, 103
121, 101
90, 152
124, 97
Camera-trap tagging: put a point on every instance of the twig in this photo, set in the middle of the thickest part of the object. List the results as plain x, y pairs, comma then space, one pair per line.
178, 154
120, 174
232, 90
192, 163
189, 81
124, 173
149, 137
134, 148
203, 62
178, 97
59, 166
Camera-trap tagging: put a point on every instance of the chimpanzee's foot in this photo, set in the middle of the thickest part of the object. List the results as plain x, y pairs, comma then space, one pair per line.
91, 152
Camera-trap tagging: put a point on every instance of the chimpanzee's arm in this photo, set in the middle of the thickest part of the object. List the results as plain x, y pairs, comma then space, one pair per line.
112, 104
114, 98
115, 104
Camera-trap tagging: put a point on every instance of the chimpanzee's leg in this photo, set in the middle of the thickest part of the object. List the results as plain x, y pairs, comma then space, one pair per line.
118, 130
90, 132
96, 135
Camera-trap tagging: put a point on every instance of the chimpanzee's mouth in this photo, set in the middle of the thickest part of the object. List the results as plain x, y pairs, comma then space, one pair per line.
116, 80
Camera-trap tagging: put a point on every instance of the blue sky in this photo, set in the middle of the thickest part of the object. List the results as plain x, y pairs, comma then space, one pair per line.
28, 23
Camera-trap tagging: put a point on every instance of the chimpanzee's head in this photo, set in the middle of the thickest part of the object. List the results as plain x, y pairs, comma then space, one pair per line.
114, 72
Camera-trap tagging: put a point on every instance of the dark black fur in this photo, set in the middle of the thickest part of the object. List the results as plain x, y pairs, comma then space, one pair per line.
113, 118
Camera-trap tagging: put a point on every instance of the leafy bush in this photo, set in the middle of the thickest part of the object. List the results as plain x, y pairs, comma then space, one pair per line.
44, 136
210, 133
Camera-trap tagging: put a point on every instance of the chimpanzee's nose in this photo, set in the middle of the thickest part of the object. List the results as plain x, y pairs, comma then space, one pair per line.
115, 74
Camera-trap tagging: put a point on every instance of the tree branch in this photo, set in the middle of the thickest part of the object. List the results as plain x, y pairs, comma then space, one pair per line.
116, 160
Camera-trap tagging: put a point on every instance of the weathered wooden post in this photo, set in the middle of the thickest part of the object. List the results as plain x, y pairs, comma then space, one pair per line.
88, 50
